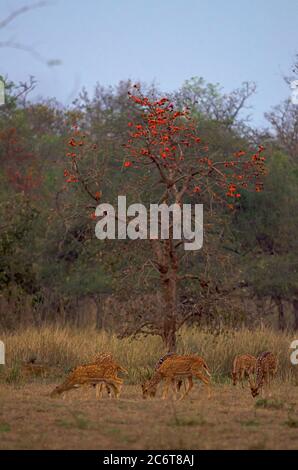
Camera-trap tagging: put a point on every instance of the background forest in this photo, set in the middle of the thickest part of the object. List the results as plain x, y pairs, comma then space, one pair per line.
54, 270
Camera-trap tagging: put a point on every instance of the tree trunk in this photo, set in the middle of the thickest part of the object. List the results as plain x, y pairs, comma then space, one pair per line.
169, 326
295, 307
281, 315
167, 262
99, 313
168, 273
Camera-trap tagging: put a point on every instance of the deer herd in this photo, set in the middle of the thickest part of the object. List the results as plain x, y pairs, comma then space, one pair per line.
175, 371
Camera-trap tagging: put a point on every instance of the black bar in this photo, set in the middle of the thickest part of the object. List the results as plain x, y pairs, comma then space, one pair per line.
196, 459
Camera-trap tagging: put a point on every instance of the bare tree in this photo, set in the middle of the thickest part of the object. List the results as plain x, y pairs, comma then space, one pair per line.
11, 43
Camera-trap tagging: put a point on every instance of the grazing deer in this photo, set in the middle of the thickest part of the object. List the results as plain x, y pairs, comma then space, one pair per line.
177, 384
243, 367
99, 374
178, 367
106, 358
266, 368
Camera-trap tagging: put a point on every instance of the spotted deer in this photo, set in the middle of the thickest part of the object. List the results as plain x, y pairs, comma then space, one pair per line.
177, 384
105, 358
98, 374
177, 368
243, 367
266, 368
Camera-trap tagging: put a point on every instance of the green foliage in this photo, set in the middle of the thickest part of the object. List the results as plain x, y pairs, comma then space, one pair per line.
265, 228
48, 250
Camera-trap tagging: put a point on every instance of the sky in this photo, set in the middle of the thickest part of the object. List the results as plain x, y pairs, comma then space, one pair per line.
165, 41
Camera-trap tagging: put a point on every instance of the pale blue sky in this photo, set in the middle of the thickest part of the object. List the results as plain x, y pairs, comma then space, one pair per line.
168, 41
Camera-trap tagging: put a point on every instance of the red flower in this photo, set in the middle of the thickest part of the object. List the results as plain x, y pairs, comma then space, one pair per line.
127, 164
72, 179
239, 154
72, 142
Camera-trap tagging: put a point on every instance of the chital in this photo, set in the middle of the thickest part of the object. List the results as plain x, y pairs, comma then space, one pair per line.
97, 374
175, 368
106, 358
243, 367
266, 368
169, 355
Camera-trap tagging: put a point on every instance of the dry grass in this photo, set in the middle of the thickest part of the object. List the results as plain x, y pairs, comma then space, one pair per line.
231, 419
66, 347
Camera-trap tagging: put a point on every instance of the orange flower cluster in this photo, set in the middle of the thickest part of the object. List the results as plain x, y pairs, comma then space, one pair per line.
70, 178
162, 135
76, 145
168, 138
78, 148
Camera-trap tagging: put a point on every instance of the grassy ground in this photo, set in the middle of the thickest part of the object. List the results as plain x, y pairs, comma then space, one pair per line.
231, 419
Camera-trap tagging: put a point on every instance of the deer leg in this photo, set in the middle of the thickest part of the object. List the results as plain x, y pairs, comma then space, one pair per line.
119, 387
238, 380
268, 383
250, 379
115, 390
178, 387
166, 388
98, 391
242, 377
174, 387
109, 391
205, 381
188, 388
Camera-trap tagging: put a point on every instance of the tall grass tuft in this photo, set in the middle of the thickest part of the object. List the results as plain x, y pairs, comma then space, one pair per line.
68, 347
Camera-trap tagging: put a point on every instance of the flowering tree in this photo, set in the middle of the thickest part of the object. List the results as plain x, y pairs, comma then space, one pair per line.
164, 146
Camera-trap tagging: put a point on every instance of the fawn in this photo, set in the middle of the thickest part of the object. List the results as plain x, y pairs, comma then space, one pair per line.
266, 368
243, 366
177, 367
